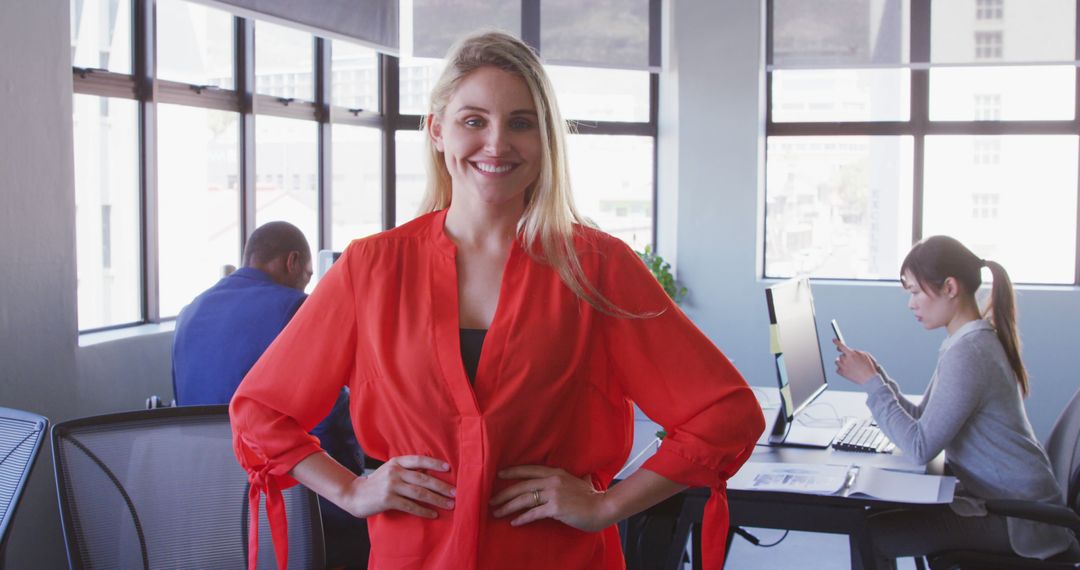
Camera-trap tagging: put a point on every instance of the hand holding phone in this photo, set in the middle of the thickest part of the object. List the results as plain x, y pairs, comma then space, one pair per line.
836, 332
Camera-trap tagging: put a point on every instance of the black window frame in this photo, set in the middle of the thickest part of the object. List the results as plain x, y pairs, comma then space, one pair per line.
919, 126
143, 87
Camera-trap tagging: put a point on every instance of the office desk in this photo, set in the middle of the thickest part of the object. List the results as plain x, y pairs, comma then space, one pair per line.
791, 511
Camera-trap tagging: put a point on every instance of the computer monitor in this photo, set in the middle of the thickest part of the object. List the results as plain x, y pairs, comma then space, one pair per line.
800, 370
323, 260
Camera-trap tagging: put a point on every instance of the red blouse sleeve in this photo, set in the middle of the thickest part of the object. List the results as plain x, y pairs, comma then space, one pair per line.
288, 391
678, 377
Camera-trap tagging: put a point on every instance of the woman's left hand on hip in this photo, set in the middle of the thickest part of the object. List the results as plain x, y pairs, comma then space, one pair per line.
551, 493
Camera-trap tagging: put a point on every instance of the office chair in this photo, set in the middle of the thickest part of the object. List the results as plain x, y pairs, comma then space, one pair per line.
162, 489
20, 441
1063, 448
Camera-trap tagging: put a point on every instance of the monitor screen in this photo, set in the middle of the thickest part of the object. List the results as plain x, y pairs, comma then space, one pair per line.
323, 260
794, 339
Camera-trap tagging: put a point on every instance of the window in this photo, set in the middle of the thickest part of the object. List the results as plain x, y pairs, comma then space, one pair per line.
938, 134
988, 45
250, 121
984, 205
988, 107
989, 9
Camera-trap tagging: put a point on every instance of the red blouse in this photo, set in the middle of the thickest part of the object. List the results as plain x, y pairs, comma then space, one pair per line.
554, 387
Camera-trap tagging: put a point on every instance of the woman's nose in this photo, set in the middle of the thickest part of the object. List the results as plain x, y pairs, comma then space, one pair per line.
497, 140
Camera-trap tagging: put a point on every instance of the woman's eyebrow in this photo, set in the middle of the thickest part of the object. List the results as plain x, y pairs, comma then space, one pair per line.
476, 109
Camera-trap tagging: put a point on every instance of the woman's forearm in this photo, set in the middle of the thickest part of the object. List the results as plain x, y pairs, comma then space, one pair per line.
636, 493
325, 476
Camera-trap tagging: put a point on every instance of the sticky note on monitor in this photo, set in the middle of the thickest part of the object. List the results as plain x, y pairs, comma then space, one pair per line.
774, 339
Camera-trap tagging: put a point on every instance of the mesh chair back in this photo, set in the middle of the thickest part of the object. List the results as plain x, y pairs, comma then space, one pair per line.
162, 489
20, 441
1063, 448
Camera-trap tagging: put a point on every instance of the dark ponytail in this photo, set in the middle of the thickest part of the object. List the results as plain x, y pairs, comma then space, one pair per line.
936, 258
1001, 310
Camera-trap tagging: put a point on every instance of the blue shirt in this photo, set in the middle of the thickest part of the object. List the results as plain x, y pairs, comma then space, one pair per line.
221, 334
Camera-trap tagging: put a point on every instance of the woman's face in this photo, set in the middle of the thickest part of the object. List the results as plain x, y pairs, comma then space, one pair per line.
490, 136
931, 309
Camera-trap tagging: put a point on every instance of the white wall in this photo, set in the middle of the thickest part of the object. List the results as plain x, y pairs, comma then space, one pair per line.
41, 368
718, 107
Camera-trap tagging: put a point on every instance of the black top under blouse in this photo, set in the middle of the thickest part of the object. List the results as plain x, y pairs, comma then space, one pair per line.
472, 340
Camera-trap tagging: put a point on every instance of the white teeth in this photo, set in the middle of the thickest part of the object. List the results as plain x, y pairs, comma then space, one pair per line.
494, 169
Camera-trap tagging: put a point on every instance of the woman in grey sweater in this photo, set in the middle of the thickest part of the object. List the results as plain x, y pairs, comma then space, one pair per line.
973, 410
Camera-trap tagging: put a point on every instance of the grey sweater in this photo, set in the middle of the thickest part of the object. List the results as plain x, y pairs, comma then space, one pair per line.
973, 410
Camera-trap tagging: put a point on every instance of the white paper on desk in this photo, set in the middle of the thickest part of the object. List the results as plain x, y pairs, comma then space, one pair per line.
790, 477
901, 487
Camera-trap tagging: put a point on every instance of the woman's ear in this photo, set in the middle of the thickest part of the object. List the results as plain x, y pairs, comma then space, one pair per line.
951, 288
435, 131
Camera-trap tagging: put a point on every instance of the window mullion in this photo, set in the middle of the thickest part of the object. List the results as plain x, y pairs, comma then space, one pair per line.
144, 72
389, 90
530, 23
1076, 131
920, 109
324, 178
245, 89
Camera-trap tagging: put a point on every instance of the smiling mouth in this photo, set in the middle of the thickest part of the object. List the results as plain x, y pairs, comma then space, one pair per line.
496, 169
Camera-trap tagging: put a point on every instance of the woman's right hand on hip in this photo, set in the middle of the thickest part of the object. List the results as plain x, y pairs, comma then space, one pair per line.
401, 484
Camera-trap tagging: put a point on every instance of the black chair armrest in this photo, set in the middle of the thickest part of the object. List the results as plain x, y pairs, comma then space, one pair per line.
1034, 511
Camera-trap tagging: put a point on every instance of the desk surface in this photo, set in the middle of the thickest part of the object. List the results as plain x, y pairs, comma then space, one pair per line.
794, 511
827, 413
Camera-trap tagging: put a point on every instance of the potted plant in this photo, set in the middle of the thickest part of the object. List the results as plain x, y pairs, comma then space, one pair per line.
662, 271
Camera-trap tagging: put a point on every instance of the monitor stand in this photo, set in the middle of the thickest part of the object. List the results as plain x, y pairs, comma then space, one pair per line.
791, 434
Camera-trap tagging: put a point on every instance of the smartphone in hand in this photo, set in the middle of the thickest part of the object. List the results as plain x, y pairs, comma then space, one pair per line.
836, 331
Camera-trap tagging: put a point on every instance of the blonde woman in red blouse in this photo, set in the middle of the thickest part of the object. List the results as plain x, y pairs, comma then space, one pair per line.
493, 347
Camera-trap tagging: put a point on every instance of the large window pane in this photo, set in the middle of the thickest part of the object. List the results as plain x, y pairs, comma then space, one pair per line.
612, 179
594, 94
285, 174
411, 175
437, 24
1011, 199
1002, 93
194, 44
284, 62
841, 95
608, 32
198, 201
355, 76
1027, 30
357, 185
837, 206
101, 34
106, 211
417, 78
837, 33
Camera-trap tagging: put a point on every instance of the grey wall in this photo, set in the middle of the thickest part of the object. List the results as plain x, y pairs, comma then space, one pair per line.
41, 367
717, 110
711, 137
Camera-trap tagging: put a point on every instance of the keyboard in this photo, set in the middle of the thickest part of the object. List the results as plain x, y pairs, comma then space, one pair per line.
864, 436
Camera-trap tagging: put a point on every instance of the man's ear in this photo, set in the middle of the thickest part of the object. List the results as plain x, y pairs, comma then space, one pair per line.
435, 131
293, 263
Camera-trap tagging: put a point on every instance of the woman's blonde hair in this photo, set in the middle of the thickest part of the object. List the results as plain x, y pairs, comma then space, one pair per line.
546, 227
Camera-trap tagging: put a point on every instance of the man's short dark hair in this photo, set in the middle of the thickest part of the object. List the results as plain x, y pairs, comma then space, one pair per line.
274, 239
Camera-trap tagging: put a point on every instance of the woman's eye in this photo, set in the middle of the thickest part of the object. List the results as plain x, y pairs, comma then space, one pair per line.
474, 122
520, 124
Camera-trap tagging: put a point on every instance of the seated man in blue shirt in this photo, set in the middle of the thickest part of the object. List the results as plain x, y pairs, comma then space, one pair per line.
221, 334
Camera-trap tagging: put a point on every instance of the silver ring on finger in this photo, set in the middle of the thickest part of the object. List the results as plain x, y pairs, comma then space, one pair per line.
536, 498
